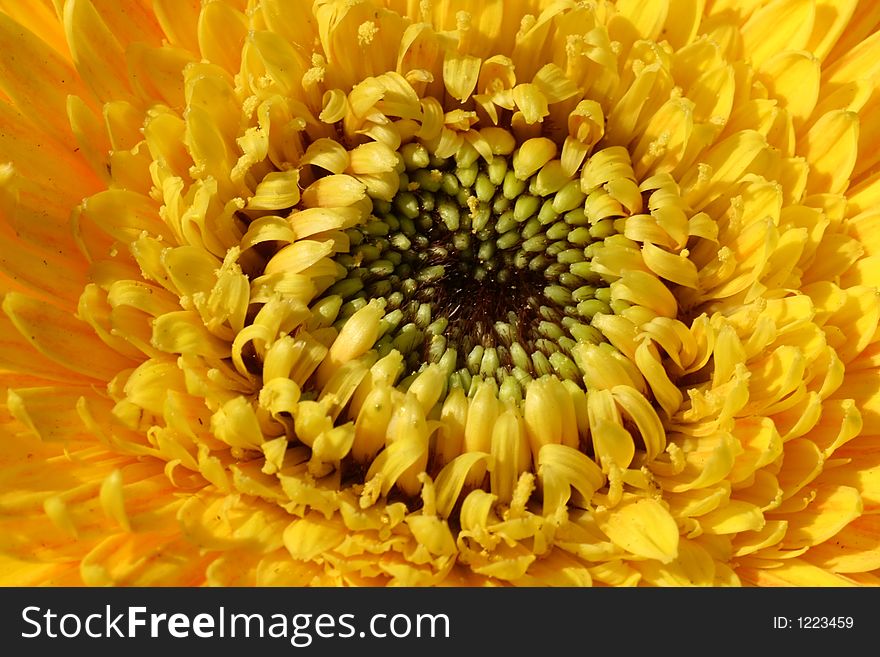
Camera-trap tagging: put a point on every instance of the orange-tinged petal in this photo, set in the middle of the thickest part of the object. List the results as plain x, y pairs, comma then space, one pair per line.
221, 33
97, 53
854, 549
218, 522
130, 20
37, 78
43, 161
148, 559
240, 350
49, 412
17, 355
178, 20
43, 273
155, 73
62, 338
15, 572
793, 572
862, 473
40, 18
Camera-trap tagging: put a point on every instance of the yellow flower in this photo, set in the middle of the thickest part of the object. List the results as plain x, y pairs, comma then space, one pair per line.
366, 292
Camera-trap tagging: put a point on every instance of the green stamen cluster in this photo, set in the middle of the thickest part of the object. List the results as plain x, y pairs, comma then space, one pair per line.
482, 272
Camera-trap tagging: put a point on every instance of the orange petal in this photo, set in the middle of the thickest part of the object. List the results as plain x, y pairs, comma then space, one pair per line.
793, 572
62, 338
98, 55
855, 549
37, 79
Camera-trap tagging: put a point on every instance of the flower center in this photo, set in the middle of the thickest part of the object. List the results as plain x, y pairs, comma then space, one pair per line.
482, 267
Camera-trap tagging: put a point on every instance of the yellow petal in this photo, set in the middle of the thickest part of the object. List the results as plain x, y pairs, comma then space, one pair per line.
833, 18
358, 334
327, 154
685, 21
482, 414
733, 518
531, 101
62, 338
309, 537
510, 454
221, 33
793, 78
780, 25
647, 18
372, 158
694, 566
721, 166
644, 528
831, 148
277, 190
645, 418
184, 332
532, 155
460, 73
860, 62
333, 191
179, 21
98, 55
562, 470
794, 573
613, 444
833, 508
675, 268
855, 549
433, 533
451, 480
37, 79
